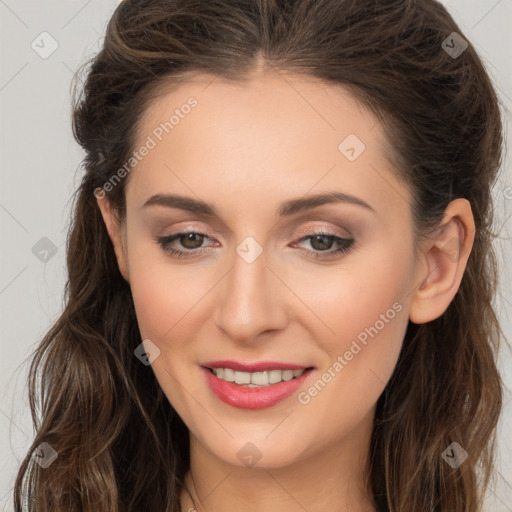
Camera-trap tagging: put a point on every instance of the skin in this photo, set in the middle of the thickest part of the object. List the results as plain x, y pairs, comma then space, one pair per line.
245, 149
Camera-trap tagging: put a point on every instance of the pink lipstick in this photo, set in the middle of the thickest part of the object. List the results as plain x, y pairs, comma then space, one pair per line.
258, 385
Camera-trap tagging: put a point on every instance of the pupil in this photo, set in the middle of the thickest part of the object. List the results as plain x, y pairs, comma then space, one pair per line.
325, 245
189, 238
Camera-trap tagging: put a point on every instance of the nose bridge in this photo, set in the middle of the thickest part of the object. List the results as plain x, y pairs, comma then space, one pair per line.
250, 301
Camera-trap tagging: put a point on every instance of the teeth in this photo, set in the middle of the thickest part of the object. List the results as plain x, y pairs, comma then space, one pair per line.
228, 374
274, 376
256, 379
242, 378
259, 378
288, 375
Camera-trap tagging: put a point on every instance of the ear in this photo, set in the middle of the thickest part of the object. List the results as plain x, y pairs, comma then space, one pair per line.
117, 234
443, 260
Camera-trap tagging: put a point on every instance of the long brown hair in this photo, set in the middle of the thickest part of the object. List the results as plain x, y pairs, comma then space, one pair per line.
120, 444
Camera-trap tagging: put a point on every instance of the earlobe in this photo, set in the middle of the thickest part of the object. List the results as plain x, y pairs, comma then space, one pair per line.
116, 233
443, 262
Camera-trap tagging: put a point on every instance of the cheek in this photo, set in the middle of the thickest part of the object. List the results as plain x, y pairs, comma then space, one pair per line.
166, 304
368, 293
157, 307
169, 303
164, 293
365, 310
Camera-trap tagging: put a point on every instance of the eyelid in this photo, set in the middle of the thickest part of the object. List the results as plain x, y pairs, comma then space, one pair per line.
190, 229
312, 231
304, 232
346, 244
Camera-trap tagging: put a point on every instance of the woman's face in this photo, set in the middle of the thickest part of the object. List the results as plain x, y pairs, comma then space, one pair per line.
261, 280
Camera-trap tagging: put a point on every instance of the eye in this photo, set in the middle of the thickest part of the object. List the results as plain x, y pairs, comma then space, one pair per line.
192, 242
322, 241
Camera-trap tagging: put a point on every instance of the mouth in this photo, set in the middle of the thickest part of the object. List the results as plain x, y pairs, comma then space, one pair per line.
257, 379
262, 373
255, 386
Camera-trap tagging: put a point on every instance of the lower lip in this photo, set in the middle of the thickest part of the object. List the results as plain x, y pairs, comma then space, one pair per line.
244, 397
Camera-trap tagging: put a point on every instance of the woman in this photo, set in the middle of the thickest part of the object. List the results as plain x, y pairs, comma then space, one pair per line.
280, 267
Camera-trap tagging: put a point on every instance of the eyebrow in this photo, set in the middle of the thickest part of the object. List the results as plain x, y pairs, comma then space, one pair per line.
287, 208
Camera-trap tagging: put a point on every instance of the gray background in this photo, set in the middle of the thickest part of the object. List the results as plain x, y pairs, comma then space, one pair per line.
40, 170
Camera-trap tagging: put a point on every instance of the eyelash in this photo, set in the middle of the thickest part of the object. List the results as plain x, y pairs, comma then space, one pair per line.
346, 244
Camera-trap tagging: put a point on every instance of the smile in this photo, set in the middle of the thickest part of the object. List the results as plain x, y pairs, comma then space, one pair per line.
257, 389
256, 379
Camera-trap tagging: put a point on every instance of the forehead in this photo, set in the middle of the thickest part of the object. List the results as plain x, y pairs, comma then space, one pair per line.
264, 101
275, 134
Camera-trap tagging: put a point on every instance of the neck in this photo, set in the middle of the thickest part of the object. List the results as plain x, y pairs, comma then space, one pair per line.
332, 479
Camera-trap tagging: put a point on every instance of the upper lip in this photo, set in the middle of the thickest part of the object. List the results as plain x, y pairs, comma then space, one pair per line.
260, 366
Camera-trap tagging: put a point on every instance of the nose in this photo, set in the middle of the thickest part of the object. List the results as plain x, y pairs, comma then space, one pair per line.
251, 300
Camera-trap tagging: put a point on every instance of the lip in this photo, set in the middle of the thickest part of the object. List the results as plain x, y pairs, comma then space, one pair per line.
261, 366
244, 397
